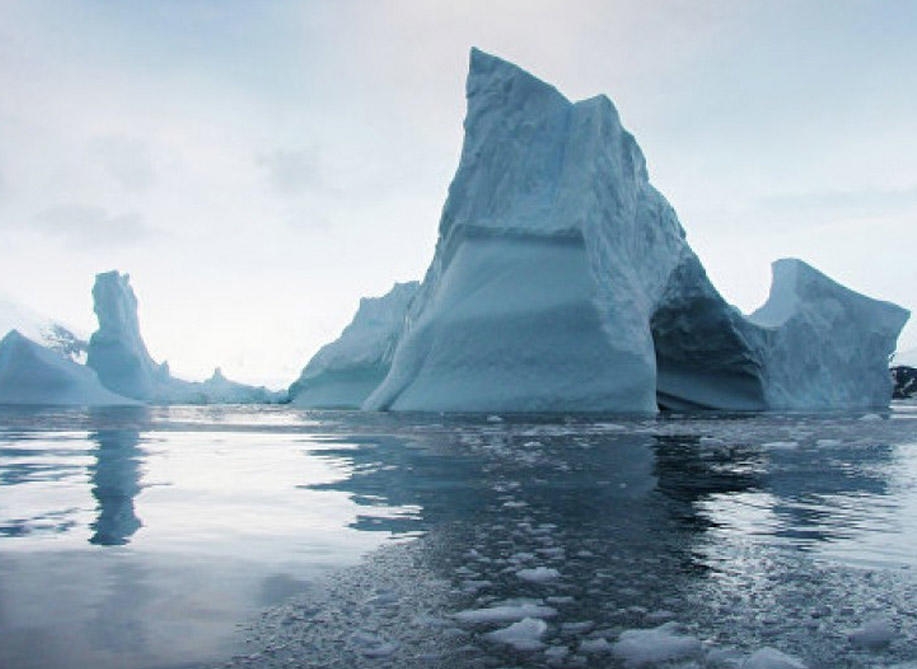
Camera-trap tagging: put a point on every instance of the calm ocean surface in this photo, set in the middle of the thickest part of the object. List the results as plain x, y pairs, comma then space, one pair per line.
267, 536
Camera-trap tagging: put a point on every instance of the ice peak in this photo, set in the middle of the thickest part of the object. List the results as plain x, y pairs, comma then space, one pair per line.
491, 76
12, 338
115, 304
116, 350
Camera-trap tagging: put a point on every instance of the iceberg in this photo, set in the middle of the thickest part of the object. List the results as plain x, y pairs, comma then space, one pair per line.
119, 356
220, 390
33, 374
343, 373
44, 331
562, 280
826, 346
116, 350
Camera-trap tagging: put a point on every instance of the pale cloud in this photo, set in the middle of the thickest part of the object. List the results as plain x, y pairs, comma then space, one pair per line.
125, 159
291, 172
856, 203
90, 226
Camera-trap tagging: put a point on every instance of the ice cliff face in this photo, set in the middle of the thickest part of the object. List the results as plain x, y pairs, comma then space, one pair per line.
562, 280
530, 303
119, 356
343, 373
33, 374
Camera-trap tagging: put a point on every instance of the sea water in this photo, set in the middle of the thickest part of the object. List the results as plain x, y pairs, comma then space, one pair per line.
268, 536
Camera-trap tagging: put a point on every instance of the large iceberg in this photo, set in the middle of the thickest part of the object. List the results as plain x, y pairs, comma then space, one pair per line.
343, 373
562, 280
33, 374
119, 356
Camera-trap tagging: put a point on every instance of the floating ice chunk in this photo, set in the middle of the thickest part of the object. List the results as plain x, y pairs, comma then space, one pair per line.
383, 598
522, 635
556, 653
494, 418
538, 574
661, 616
781, 445
577, 627
373, 645
711, 441
724, 657
870, 417
771, 658
599, 645
644, 647
382, 650
474, 585
506, 612
556, 552
610, 427
873, 635
827, 443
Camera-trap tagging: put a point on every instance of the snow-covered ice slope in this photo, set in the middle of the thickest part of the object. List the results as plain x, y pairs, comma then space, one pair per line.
562, 280
42, 330
33, 374
119, 356
343, 373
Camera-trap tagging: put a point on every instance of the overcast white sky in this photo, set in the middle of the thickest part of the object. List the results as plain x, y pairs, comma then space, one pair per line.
257, 167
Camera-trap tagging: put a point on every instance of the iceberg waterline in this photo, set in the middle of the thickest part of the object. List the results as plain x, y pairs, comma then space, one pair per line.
562, 280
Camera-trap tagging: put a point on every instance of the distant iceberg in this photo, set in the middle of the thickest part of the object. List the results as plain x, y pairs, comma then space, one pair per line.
119, 356
343, 373
562, 281
42, 368
33, 374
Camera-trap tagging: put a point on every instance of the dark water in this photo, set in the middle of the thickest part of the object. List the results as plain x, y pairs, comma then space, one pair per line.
275, 537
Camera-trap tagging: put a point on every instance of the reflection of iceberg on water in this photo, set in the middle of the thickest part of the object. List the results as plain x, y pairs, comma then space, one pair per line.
115, 478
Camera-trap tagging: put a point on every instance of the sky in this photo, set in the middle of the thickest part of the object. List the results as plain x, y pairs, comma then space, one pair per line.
257, 167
